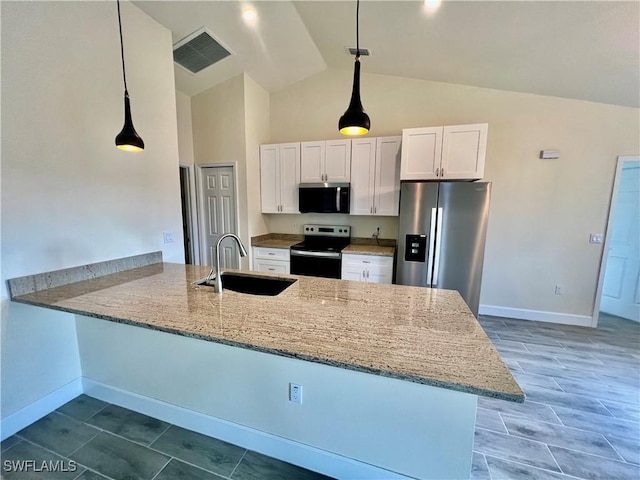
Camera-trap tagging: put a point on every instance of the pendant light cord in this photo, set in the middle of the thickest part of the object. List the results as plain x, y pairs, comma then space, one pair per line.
124, 75
357, 29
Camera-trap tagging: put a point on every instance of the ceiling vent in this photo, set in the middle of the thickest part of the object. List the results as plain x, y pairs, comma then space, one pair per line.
364, 52
198, 51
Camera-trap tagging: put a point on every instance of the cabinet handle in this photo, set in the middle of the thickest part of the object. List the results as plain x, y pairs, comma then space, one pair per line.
442, 172
375, 209
437, 172
367, 273
271, 253
271, 269
366, 261
371, 210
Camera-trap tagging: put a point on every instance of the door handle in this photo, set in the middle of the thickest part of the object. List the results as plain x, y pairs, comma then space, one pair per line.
436, 265
337, 199
432, 244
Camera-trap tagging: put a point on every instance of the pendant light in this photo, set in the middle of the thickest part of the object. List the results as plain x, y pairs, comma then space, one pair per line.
128, 139
355, 121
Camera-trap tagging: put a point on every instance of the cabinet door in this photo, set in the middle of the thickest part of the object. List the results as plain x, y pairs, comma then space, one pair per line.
289, 177
312, 162
421, 153
379, 274
387, 177
269, 182
352, 273
463, 151
363, 161
337, 162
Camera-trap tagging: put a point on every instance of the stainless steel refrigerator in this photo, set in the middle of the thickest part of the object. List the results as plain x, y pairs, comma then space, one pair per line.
442, 231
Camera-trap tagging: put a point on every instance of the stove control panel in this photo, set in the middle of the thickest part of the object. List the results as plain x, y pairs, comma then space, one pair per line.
327, 230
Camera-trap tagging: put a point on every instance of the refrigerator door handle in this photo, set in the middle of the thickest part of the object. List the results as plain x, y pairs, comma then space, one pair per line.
432, 244
436, 262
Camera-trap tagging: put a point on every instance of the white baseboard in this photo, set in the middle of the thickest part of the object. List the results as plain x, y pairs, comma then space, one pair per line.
31, 413
283, 449
536, 315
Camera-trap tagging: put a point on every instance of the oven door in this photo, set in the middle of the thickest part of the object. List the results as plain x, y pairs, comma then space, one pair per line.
316, 264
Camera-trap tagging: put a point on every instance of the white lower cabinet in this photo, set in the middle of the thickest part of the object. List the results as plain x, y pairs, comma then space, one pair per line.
367, 268
273, 260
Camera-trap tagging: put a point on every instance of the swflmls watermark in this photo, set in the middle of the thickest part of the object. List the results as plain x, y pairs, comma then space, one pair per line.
39, 466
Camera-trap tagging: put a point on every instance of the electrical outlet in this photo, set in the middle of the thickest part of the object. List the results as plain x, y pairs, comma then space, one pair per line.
376, 234
295, 393
596, 238
558, 290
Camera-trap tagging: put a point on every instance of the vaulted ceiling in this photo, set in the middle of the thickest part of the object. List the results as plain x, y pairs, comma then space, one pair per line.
588, 50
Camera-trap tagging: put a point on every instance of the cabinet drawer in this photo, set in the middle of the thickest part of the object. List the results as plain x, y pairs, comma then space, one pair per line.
370, 260
272, 266
271, 253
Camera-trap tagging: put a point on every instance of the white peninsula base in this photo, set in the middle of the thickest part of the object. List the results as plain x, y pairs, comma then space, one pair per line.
350, 425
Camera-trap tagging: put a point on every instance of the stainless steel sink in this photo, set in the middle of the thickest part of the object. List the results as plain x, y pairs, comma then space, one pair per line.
251, 284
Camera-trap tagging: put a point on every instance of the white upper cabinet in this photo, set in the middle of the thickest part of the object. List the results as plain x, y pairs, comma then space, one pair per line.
421, 153
375, 176
363, 171
279, 177
325, 161
444, 153
387, 189
463, 151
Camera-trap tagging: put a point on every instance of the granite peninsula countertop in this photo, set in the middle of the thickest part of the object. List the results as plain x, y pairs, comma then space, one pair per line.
422, 335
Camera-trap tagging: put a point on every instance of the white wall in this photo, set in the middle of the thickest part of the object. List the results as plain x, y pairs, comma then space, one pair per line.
256, 104
542, 212
185, 128
417, 430
69, 197
230, 121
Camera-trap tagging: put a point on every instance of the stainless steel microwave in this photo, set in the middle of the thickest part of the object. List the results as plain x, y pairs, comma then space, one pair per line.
324, 197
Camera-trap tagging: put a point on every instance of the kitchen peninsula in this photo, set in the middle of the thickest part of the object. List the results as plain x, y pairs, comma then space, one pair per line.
390, 373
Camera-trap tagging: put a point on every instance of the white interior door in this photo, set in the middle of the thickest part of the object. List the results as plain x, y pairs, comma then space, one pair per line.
219, 214
621, 288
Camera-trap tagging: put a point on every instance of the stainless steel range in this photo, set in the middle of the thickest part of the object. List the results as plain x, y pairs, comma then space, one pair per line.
319, 255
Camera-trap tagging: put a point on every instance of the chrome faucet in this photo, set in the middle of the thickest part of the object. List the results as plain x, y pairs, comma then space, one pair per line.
243, 253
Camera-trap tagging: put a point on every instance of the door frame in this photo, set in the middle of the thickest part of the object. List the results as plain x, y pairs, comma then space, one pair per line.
605, 247
192, 212
200, 203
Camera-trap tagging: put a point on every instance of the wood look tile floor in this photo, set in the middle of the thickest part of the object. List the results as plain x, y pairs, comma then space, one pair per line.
581, 420
94, 440
581, 417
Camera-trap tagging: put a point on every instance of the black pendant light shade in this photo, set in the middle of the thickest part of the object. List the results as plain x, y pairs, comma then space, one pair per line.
128, 139
355, 121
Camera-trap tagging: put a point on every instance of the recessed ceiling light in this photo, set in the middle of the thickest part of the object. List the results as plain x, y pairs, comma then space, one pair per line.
249, 14
432, 5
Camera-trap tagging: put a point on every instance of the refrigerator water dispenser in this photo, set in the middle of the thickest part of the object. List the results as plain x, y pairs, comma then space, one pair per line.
415, 248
